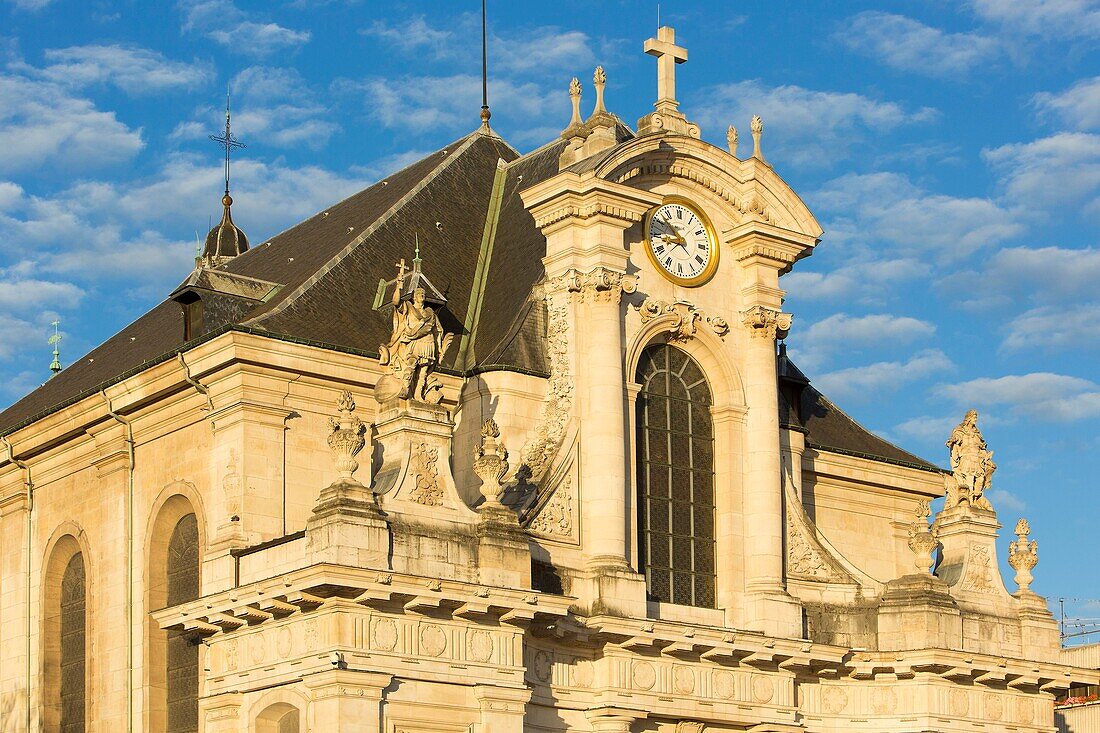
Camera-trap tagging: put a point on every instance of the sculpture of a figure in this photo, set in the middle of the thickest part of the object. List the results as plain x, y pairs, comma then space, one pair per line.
972, 465
415, 348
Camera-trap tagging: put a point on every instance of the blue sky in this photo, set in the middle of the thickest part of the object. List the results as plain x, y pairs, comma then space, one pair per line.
950, 149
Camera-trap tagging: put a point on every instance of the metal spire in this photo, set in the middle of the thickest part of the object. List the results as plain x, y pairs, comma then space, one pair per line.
55, 365
485, 114
227, 140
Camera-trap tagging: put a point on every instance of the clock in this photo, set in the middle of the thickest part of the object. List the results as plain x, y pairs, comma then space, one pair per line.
681, 243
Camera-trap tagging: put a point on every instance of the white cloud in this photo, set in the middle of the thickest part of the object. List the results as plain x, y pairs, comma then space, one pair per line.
1078, 106
272, 104
1042, 395
1060, 170
863, 281
928, 429
1054, 327
413, 34
28, 294
225, 23
32, 5
813, 346
449, 102
42, 122
1046, 275
1004, 500
872, 210
871, 381
1045, 18
803, 127
908, 44
134, 70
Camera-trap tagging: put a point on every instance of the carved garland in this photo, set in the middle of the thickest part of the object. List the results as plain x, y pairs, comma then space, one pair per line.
427, 491
556, 518
540, 450
685, 316
804, 560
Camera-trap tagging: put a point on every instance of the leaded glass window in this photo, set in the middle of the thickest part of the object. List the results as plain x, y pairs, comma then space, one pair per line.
675, 444
74, 619
182, 654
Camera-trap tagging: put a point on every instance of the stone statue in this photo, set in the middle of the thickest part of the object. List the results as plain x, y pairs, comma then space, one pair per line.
972, 465
414, 350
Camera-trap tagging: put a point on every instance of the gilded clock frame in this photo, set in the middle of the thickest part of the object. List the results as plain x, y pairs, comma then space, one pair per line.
716, 250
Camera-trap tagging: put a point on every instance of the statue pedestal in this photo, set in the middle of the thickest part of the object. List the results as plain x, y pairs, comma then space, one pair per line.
348, 528
969, 566
917, 612
503, 554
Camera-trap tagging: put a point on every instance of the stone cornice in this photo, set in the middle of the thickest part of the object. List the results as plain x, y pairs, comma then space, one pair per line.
761, 242
571, 196
310, 588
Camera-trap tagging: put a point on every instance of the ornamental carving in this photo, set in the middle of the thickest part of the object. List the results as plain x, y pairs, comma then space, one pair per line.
684, 318
883, 701
972, 466
1023, 556
426, 469
556, 518
491, 463
763, 689
766, 322
923, 540
804, 559
542, 665
384, 635
558, 405
346, 438
723, 685
583, 673
600, 284
433, 641
642, 676
683, 680
689, 726
993, 705
979, 570
750, 205
834, 700
479, 646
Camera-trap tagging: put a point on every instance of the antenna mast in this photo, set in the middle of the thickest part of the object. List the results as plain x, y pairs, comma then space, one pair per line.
485, 114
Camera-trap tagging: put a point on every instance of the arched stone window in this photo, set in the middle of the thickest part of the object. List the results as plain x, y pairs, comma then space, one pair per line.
675, 446
73, 631
65, 638
181, 653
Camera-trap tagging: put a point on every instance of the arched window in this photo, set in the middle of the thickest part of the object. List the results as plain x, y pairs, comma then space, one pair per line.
675, 444
73, 630
181, 653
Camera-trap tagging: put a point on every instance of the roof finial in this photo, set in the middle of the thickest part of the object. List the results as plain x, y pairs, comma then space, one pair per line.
599, 80
55, 365
228, 142
757, 127
485, 113
731, 140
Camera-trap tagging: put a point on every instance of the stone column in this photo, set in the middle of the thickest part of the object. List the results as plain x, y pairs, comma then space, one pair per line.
585, 220
764, 251
610, 719
502, 708
344, 701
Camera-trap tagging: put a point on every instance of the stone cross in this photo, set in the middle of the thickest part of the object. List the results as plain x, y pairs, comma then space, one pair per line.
668, 55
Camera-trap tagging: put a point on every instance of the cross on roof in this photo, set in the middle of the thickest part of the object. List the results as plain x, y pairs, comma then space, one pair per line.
668, 55
227, 141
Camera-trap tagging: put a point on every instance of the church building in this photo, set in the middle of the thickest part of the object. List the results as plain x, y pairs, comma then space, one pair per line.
504, 443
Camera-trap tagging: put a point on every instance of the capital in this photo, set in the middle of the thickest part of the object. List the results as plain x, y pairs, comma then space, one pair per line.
598, 285
765, 322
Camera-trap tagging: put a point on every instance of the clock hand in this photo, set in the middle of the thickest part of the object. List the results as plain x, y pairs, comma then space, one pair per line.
675, 234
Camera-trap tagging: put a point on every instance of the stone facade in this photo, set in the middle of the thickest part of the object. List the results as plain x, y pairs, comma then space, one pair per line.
462, 552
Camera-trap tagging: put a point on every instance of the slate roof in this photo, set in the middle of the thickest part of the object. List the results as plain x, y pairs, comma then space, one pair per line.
326, 270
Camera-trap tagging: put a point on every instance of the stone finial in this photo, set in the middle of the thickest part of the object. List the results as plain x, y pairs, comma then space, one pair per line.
599, 81
972, 466
757, 128
491, 463
575, 98
346, 439
731, 140
923, 539
1023, 555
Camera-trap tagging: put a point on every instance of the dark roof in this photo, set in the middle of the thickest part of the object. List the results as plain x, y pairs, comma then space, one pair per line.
317, 281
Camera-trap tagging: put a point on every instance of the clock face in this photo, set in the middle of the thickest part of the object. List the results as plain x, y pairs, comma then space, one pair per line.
681, 244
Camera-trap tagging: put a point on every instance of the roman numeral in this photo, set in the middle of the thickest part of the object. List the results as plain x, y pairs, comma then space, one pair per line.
668, 263
679, 269
699, 259
679, 213
700, 233
659, 249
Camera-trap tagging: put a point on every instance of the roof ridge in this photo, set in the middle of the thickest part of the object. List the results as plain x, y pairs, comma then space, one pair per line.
525, 156
465, 144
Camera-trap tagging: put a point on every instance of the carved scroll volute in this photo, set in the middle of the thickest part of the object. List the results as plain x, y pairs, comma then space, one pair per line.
766, 322
923, 539
1023, 556
491, 463
347, 436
